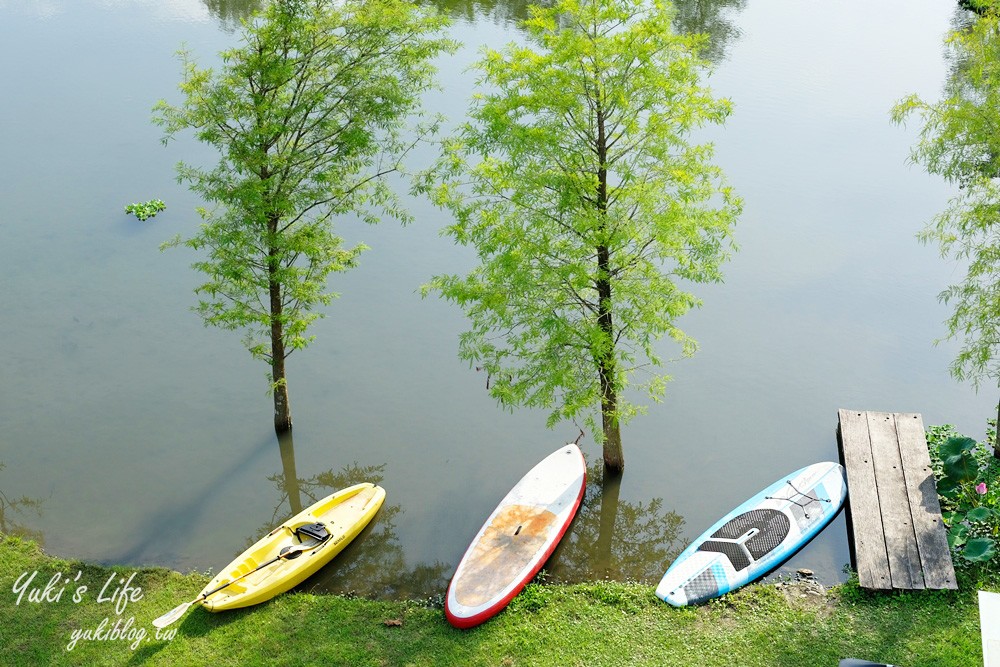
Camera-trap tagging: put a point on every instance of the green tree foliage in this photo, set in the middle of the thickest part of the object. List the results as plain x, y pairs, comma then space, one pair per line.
307, 115
589, 207
979, 6
960, 140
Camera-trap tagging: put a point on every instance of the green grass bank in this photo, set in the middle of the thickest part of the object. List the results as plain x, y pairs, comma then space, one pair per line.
604, 623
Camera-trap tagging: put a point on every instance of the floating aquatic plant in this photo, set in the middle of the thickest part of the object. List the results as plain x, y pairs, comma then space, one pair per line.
147, 209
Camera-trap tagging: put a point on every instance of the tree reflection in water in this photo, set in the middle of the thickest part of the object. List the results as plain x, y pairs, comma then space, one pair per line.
614, 539
229, 13
958, 83
714, 18
501, 12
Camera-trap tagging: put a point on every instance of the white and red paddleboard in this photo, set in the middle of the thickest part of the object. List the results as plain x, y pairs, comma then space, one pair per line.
517, 539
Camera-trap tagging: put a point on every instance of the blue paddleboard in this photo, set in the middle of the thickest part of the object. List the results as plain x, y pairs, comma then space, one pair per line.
757, 536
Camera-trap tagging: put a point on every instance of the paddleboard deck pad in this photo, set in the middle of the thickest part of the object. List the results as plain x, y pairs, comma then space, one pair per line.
757, 536
517, 538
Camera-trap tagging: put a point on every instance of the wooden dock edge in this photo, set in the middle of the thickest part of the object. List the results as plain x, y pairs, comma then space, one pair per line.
896, 535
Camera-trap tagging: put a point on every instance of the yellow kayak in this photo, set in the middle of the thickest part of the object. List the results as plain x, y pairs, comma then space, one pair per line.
297, 549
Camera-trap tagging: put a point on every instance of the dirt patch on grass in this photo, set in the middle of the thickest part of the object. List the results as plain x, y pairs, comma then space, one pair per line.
807, 595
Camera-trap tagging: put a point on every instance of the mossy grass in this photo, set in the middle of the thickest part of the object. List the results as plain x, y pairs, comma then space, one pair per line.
593, 624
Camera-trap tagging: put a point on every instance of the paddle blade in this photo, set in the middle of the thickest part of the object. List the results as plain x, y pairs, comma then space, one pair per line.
172, 615
178, 611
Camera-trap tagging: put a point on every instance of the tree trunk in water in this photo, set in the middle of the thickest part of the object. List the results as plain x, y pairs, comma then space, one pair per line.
282, 413
279, 386
614, 460
279, 389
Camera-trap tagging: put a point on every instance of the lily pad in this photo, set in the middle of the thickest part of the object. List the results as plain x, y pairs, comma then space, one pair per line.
979, 549
955, 446
979, 514
961, 467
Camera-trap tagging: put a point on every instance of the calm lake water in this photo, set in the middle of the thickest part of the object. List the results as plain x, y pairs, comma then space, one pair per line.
148, 439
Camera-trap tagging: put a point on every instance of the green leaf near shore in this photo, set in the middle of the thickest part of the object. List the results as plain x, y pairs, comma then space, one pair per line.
961, 467
979, 549
955, 446
979, 514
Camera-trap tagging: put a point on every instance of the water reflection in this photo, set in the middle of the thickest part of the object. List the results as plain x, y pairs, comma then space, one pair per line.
715, 18
289, 480
229, 13
959, 63
614, 539
296, 493
609, 538
374, 564
13, 512
502, 12
964, 85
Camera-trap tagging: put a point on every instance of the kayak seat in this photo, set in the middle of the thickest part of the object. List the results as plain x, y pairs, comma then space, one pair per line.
316, 531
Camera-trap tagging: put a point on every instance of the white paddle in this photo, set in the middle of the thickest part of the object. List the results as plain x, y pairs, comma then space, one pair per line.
178, 611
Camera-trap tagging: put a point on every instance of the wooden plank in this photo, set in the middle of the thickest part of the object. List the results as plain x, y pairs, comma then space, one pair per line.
897, 523
870, 556
932, 541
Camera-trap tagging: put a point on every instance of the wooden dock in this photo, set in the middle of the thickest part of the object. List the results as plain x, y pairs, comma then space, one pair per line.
898, 540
